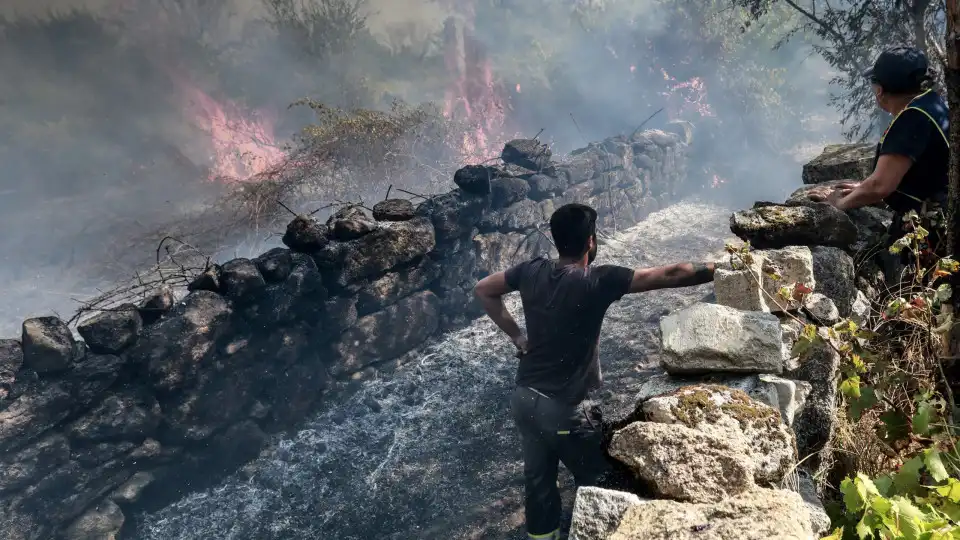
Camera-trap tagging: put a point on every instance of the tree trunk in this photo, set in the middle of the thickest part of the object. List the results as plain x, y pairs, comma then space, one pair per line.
952, 78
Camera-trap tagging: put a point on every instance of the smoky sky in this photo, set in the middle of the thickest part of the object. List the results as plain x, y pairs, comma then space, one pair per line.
100, 154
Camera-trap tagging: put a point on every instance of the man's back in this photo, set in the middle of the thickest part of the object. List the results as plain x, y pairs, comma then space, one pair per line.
564, 306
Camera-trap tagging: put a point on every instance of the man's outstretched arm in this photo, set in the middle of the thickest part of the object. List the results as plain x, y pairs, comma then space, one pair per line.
490, 291
671, 276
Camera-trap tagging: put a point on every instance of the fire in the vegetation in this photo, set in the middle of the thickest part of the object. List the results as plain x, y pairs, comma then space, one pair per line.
472, 95
243, 141
686, 96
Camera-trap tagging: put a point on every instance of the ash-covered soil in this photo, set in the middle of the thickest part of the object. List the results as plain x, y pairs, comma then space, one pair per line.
430, 451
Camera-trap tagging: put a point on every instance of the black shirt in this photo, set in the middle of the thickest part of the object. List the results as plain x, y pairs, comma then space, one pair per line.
564, 308
918, 133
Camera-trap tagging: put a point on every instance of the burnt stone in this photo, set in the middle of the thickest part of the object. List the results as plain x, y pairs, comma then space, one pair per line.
91, 378
393, 210
392, 244
155, 305
773, 226
11, 358
475, 179
350, 223
239, 278
209, 280
275, 265
111, 332
48, 345
453, 216
306, 235
522, 216
32, 413
544, 187
390, 288
131, 415
529, 153
339, 313
173, 350
507, 190
29, 464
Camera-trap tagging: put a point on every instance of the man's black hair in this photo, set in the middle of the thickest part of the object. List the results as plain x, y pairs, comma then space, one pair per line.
572, 226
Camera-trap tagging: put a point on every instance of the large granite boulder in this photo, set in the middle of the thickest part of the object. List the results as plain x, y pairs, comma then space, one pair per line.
840, 162
756, 287
759, 514
773, 226
48, 345
29, 464
132, 414
275, 265
392, 287
520, 216
240, 279
683, 463
475, 179
507, 190
731, 415
711, 337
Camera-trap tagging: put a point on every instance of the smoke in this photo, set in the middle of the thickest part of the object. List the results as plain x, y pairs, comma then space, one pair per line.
123, 117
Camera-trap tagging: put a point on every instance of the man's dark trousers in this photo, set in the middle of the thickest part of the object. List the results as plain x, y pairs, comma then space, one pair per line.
551, 432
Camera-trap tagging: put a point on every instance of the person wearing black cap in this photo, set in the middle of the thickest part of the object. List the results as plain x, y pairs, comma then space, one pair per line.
913, 156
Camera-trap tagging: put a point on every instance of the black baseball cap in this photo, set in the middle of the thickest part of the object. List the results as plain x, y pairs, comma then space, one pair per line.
899, 70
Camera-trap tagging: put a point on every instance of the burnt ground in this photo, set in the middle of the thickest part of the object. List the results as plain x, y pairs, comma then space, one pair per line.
430, 451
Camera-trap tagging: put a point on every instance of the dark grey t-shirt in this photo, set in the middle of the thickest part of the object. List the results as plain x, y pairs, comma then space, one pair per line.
564, 308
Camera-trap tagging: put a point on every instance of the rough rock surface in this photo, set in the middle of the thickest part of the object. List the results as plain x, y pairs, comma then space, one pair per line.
840, 161
275, 265
819, 519
11, 358
683, 463
760, 514
835, 273
475, 179
597, 512
100, 523
156, 305
821, 308
392, 244
48, 345
306, 235
773, 226
815, 425
388, 333
499, 251
710, 337
788, 396
733, 416
350, 222
110, 332
393, 210
528, 153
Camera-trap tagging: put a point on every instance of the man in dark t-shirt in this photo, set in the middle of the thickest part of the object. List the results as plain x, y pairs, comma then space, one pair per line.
564, 302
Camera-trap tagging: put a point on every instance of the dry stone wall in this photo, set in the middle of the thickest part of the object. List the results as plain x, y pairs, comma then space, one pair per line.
725, 443
159, 397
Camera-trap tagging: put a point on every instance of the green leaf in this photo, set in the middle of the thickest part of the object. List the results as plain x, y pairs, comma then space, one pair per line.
801, 347
895, 426
883, 483
907, 478
864, 530
867, 399
951, 491
944, 292
931, 458
948, 265
837, 534
921, 419
900, 245
851, 496
809, 332
851, 387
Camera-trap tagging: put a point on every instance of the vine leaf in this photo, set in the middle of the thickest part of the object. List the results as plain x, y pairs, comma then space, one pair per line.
931, 458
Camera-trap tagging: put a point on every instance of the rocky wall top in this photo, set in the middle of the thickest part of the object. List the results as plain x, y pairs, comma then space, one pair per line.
162, 396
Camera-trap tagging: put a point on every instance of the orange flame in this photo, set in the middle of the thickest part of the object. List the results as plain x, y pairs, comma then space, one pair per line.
243, 142
686, 96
